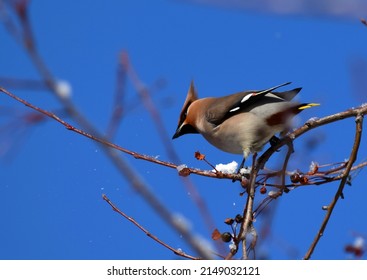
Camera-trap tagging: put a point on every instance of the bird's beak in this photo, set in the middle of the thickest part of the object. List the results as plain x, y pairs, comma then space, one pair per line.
183, 129
177, 133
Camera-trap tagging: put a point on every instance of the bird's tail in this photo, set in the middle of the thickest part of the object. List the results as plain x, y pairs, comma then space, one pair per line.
307, 105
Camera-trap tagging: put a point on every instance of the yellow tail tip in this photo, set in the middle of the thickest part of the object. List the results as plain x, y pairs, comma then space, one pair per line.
309, 105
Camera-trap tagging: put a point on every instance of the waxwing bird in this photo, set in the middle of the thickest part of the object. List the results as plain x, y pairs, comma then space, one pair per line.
239, 123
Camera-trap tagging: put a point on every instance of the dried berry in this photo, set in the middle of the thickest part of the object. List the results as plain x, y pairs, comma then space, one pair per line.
184, 172
263, 190
238, 218
295, 177
229, 221
303, 180
357, 251
226, 237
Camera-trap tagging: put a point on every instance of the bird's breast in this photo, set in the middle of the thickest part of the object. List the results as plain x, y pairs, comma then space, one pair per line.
245, 131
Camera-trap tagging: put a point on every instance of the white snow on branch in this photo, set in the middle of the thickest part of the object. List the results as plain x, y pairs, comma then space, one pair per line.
228, 168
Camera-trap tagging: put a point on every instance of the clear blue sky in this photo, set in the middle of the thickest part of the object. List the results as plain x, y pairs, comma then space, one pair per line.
52, 179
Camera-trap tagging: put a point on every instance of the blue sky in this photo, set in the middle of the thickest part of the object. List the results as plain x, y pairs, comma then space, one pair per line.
52, 180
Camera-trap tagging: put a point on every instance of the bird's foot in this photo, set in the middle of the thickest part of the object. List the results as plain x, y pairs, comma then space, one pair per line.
274, 141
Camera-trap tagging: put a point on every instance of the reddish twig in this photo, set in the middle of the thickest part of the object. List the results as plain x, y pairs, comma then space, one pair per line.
130, 219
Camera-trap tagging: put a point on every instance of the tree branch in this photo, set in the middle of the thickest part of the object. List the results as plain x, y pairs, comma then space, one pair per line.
130, 219
339, 192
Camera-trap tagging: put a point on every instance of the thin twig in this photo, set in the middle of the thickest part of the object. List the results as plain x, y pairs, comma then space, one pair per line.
339, 192
130, 219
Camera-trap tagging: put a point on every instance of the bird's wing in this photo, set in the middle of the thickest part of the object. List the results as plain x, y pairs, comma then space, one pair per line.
225, 107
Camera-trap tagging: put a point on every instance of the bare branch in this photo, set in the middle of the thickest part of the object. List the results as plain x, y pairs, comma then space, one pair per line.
130, 219
339, 192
